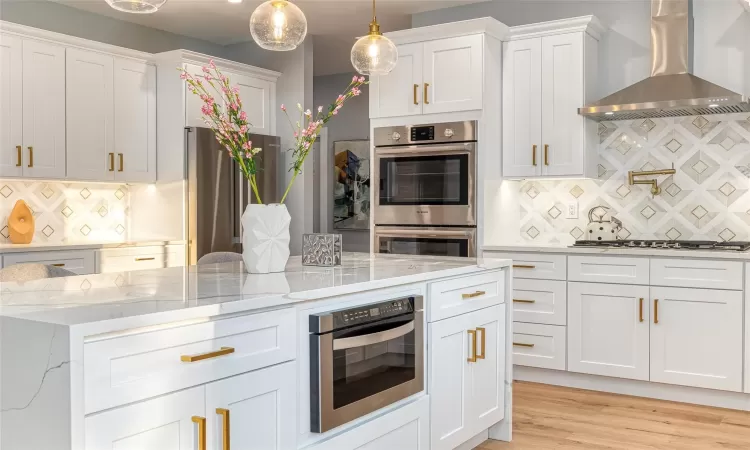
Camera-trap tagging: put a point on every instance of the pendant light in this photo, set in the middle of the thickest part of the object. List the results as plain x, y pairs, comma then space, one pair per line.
278, 25
137, 6
374, 54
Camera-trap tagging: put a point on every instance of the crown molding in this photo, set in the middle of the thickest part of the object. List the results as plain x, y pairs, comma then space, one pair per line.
584, 24
178, 57
72, 41
485, 25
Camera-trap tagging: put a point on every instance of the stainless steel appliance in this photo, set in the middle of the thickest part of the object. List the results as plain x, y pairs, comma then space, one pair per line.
364, 358
436, 241
425, 174
684, 245
218, 193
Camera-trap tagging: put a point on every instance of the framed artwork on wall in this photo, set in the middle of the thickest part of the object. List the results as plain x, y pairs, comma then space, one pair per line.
351, 185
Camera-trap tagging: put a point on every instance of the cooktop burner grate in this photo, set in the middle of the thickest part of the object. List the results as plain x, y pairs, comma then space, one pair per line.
682, 245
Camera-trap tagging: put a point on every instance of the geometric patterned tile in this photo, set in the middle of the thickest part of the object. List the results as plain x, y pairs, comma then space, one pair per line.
6, 191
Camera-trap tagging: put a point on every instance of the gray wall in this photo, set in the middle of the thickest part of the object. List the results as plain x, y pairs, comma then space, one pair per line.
351, 124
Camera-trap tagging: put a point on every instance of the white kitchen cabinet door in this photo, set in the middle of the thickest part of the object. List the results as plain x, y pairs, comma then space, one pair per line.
452, 74
562, 95
522, 108
256, 101
164, 423
488, 373
696, 338
134, 121
44, 118
90, 115
254, 411
193, 103
11, 110
400, 92
608, 330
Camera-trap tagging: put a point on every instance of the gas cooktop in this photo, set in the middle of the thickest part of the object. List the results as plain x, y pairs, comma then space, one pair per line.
684, 245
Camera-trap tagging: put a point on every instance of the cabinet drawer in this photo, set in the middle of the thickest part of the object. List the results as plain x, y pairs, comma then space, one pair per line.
540, 301
134, 367
461, 295
535, 265
608, 269
537, 345
81, 262
137, 258
696, 273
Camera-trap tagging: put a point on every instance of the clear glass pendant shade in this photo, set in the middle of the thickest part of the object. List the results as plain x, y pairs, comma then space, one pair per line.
137, 6
374, 54
278, 25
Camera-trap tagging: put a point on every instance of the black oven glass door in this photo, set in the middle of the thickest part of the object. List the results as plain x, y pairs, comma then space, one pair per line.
372, 358
425, 180
424, 246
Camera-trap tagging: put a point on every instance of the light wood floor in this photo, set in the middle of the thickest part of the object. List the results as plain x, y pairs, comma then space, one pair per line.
549, 417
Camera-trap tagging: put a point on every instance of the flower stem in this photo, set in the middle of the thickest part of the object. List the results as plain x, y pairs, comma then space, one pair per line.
289, 186
254, 185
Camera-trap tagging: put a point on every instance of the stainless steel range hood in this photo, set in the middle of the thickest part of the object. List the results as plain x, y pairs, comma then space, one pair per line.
671, 90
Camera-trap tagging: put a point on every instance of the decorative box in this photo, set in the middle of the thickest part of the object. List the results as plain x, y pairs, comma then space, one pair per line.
321, 249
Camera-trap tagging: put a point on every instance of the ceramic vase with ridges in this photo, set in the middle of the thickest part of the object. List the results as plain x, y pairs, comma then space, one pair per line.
265, 238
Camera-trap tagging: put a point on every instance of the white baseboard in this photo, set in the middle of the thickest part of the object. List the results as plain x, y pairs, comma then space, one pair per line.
698, 396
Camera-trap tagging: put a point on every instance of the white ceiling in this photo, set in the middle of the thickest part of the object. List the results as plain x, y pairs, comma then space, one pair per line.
334, 23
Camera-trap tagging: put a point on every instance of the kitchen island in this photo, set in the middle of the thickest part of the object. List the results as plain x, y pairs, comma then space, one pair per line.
170, 359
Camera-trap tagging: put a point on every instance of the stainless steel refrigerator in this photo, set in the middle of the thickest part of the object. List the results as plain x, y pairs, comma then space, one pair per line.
218, 193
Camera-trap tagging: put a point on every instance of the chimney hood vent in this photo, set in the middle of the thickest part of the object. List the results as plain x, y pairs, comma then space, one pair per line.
671, 90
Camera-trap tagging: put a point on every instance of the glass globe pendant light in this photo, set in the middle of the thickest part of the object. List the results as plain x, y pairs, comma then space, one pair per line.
374, 54
137, 6
278, 25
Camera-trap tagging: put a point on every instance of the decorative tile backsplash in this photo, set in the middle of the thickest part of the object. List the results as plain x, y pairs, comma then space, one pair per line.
708, 197
66, 211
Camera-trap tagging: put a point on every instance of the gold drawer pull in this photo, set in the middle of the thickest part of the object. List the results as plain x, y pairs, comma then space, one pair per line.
201, 421
473, 356
209, 355
59, 265
656, 310
473, 294
523, 266
121, 162
31, 156
546, 154
416, 86
483, 342
640, 310
425, 97
18, 151
224, 413
533, 155
145, 259
111, 162
517, 300
519, 344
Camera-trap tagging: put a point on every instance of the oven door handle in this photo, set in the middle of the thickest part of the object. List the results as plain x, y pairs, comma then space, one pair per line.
406, 151
373, 338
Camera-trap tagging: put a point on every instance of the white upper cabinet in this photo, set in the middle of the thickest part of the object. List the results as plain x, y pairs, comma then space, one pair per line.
193, 104
400, 92
256, 101
43, 110
135, 121
550, 72
452, 74
11, 112
90, 115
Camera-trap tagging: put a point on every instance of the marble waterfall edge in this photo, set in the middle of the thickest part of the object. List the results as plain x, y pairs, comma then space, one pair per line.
265, 238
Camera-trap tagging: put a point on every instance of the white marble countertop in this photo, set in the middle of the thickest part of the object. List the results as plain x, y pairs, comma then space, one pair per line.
151, 297
83, 245
670, 253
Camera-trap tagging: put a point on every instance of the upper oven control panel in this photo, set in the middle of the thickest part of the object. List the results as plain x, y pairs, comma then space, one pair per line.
436, 133
369, 313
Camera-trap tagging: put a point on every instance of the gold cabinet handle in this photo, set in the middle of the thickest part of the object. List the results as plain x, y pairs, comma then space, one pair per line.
519, 344
473, 334
426, 98
121, 161
209, 355
656, 310
523, 266
31, 156
416, 86
533, 155
546, 155
111, 162
473, 294
483, 342
59, 265
224, 413
201, 421
640, 310
145, 259
518, 300
18, 155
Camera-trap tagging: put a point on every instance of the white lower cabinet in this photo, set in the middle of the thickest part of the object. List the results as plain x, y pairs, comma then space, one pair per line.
608, 330
696, 338
254, 411
164, 423
538, 345
465, 373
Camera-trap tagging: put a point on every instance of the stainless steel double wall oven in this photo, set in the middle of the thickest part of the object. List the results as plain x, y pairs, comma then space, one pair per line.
425, 189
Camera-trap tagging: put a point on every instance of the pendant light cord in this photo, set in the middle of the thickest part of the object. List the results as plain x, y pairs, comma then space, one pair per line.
374, 18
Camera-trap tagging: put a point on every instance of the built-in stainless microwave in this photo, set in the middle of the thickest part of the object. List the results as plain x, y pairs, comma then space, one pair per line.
425, 174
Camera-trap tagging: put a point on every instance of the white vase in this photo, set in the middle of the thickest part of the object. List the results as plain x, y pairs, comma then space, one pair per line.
265, 238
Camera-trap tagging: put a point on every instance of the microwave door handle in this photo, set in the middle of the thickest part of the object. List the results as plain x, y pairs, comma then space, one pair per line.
425, 233
425, 150
373, 338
